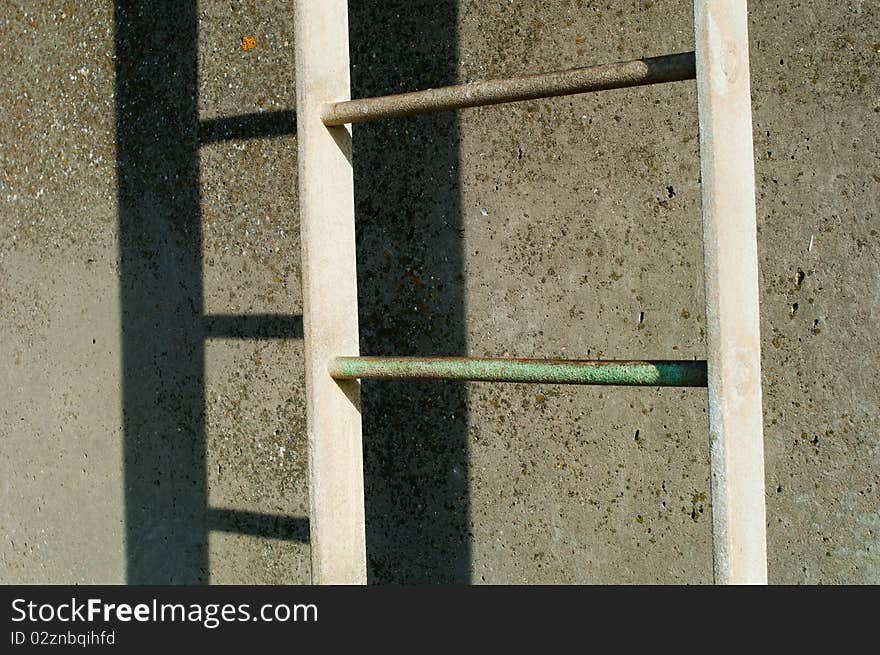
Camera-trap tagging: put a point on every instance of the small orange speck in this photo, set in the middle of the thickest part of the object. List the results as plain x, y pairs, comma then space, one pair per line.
415, 279
248, 43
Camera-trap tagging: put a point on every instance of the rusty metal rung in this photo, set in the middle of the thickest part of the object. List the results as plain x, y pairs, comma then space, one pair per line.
549, 371
652, 70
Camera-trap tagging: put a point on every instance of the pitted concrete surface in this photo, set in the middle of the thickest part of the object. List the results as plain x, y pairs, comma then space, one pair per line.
153, 423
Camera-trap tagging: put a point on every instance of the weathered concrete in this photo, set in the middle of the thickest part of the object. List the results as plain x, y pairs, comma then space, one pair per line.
558, 228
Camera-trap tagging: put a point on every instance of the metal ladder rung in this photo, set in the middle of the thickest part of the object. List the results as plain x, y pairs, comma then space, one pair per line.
640, 72
548, 371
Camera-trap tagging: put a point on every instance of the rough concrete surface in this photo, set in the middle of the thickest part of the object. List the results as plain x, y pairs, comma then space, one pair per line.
153, 421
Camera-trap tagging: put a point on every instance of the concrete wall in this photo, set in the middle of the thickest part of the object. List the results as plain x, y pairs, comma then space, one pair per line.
153, 419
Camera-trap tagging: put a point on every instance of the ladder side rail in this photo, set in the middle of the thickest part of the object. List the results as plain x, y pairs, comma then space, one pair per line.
330, 316
731, 279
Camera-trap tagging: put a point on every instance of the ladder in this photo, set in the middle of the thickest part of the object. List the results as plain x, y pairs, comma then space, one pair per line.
732, 370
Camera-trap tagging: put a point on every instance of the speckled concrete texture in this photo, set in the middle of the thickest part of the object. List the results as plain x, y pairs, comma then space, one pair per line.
153, 421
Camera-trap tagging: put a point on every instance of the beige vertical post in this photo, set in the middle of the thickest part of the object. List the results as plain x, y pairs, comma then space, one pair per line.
326, 197
731, 273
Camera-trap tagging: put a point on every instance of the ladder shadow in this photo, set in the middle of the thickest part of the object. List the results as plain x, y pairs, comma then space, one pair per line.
411, 295
163, 326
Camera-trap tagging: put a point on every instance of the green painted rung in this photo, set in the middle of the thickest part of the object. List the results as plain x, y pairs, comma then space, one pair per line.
549, 371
